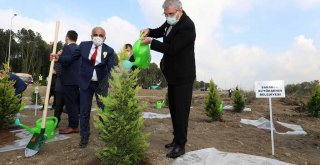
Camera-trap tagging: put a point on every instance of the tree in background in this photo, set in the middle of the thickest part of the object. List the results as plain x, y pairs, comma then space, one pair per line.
9, 104
4, 45
121, 121
314, 102
150, 76
238, 100
213, 105
29, 52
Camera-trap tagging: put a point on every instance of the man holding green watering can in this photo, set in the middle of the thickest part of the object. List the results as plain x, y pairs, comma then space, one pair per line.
177, 65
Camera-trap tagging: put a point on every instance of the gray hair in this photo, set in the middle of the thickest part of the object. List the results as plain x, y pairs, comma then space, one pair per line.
175, 3
96, 28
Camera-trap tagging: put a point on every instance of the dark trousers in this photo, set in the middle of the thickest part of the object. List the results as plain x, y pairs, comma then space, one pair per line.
59, 104
71, 99
180, 96
86, 97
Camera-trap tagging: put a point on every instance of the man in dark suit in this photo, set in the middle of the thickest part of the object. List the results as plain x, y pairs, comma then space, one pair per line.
178, 67
97, 59
19, 85
69, 76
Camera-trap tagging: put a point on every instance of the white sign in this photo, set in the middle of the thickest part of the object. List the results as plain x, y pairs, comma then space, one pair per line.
270, 89
36, 90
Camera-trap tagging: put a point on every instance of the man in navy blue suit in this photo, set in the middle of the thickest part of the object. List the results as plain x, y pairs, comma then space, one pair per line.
70, 89
19, 84
97, 59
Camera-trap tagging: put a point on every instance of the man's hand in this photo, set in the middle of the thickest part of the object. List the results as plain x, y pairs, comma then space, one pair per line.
54, 56
146, 40
145, 32
60, 52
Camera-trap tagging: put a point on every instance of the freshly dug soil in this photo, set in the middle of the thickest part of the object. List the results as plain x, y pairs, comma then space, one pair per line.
227, 136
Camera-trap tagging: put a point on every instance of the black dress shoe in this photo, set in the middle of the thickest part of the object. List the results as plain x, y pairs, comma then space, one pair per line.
84, 141
176, 152
172, 144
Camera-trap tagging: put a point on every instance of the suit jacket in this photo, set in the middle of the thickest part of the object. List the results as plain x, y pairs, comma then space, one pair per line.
70, 70
19, 84
86, 67
178, 61
58, 83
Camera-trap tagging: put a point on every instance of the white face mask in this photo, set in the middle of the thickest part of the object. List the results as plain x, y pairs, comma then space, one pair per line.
98, 41
172, 20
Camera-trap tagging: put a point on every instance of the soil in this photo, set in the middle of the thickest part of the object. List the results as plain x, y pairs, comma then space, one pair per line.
227, 135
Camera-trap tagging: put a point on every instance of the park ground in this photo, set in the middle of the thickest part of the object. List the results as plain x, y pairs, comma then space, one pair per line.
228, 135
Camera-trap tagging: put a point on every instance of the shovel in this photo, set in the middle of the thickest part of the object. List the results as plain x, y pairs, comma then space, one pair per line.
38, 139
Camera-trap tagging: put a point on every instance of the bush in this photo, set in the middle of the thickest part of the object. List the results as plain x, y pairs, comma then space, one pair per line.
250, 96
9, 103
213, 103
121, 121
314, 102
238, 101
33, 95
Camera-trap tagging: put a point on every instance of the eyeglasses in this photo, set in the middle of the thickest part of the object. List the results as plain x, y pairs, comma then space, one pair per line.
98, 35
170, 14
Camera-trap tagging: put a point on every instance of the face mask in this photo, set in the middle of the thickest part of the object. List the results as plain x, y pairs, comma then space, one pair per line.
98, 41
172, 20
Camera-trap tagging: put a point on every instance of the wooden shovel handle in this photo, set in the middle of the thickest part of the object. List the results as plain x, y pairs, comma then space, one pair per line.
46, 102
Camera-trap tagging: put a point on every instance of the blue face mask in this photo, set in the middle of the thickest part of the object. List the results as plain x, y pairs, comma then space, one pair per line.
172, 20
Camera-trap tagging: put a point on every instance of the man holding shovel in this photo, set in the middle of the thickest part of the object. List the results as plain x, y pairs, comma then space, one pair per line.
69, 79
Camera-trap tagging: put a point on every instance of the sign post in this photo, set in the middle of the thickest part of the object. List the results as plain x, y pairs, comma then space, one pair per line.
270, 89
36, 91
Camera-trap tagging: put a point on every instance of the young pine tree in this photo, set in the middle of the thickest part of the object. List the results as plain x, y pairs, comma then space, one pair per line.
238, 101
213, 103
121, 121
9, 103
314, 102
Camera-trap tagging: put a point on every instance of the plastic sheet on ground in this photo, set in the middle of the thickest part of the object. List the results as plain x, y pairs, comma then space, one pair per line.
263, 123
150, 115
25, 137
230, 107
34, 106
215, 157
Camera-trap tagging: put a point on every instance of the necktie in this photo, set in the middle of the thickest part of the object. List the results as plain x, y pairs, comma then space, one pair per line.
94, 55
168, 31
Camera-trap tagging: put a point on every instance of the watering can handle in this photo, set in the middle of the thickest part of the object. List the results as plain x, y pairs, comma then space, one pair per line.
141, 36
49, 118
55, 120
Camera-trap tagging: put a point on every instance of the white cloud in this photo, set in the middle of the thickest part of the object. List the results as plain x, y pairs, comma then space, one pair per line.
45, 28
307, 4
120, 32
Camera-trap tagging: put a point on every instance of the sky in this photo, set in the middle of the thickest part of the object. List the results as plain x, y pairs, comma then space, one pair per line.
238, 41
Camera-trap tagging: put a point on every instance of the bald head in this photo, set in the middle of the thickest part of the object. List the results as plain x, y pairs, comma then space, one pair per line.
98, 32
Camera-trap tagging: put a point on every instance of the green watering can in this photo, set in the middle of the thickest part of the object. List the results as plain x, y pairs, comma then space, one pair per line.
141, 53
51, 124
159, 104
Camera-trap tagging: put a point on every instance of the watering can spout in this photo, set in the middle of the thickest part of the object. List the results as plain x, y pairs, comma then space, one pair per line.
31, 130
127, 64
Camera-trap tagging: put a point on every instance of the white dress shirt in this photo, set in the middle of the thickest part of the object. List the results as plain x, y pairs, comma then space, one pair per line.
98, 60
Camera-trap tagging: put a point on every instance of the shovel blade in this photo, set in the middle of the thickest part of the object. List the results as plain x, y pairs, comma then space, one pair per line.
35, 143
